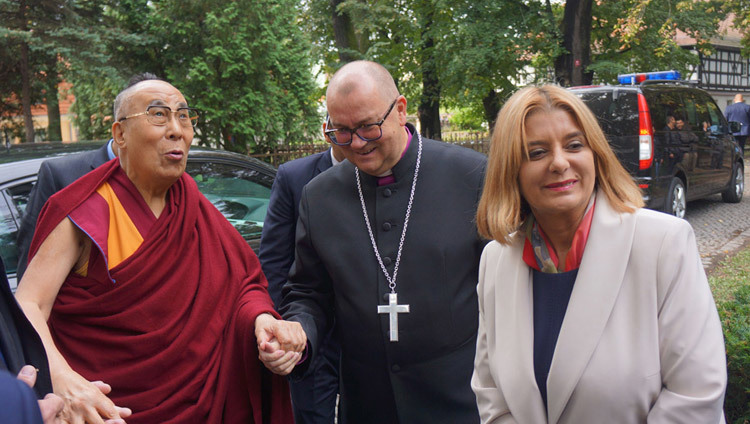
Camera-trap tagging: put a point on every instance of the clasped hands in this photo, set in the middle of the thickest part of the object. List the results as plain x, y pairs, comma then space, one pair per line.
280, 343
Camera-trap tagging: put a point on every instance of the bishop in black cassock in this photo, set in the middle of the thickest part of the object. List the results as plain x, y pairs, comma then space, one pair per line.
424, 377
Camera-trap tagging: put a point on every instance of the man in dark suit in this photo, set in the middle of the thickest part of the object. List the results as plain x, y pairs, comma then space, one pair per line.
21, 351
19, 343
387, 253
314, 395
54, 175
739, 111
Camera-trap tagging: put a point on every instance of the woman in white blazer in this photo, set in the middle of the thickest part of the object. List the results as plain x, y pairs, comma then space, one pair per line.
592, 310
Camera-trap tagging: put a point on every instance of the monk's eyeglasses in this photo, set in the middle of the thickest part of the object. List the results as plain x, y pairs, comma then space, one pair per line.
367, 132
159, 115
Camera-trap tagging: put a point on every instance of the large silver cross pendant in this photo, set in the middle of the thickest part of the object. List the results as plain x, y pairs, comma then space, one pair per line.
393, 309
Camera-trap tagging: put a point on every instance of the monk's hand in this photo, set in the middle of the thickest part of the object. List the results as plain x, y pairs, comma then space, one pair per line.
275, 355
85, 401
288, 334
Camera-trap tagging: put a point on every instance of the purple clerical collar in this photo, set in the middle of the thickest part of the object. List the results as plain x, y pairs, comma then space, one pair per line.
390, 179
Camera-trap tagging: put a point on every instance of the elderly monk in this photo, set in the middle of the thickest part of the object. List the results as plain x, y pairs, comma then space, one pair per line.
137, 280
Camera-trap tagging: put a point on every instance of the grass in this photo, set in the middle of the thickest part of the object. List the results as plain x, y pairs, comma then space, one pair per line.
731, 274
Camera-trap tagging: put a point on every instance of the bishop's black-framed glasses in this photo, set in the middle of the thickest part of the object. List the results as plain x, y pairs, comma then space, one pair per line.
366, 132
159, 115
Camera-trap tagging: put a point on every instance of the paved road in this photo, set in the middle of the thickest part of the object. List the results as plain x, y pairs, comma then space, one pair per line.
720, 228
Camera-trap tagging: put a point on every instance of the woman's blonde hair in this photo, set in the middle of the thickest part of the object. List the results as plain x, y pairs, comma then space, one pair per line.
502, 209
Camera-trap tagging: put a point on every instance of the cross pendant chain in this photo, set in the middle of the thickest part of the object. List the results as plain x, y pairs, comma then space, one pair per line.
393, 309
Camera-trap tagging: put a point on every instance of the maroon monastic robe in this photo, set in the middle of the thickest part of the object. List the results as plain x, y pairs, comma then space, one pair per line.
171, 328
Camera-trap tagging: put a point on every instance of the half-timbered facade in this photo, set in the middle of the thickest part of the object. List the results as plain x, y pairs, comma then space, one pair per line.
725, 72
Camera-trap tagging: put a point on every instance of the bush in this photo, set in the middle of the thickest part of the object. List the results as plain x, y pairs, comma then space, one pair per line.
467, 119
735, 317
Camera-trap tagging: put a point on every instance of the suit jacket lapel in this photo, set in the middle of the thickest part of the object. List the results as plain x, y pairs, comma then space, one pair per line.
596, 288
324, 162
514, 319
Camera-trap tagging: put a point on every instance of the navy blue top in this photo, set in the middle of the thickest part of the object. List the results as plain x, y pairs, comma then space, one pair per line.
551, 295
18, 403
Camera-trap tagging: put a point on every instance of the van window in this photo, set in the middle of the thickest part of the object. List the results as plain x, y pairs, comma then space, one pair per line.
664, 105
616, 111
696, 111
718, 124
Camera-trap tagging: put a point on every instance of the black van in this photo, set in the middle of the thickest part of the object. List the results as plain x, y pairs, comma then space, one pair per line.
673, 140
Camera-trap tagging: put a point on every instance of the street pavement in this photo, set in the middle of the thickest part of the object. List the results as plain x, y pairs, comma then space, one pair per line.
720, 228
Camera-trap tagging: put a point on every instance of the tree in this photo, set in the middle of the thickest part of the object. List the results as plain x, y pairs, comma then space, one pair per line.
350, 44
493, 48
740, 11
245, 65
42, 38
113, 44
632, 35
400, 35
16, 39
571, 67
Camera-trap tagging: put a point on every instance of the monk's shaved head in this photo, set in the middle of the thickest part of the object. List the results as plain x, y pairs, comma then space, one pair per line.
124, 96
364, 75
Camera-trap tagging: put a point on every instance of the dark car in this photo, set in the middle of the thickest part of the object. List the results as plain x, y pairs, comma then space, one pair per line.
671, 137
239, 186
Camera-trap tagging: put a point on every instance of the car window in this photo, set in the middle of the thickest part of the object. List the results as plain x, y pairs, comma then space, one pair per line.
8, 232
237, 194
19, 195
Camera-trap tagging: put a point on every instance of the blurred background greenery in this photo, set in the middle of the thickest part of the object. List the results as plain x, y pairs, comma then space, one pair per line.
257, 68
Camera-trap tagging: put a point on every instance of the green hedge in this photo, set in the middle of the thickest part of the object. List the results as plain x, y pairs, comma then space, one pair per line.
735, 316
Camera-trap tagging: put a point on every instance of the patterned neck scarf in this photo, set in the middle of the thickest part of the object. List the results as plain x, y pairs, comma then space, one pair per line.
538, 252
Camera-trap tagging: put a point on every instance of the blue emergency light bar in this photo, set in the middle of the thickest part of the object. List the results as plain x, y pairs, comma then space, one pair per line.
640, 77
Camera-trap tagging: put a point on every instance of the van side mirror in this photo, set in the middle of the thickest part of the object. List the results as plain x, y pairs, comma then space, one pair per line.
734, 127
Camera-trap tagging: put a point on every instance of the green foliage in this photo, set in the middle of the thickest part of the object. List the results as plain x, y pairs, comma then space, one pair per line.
729, 284
245, 65
53, 31
384, 31
467, 119
638, 36
735, 316
93, 104
741, 10
491, 46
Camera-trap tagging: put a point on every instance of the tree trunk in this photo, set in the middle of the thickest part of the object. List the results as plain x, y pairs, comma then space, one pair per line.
348, 43
491, 103
429, 103
570, 67
25, 77
54, 132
